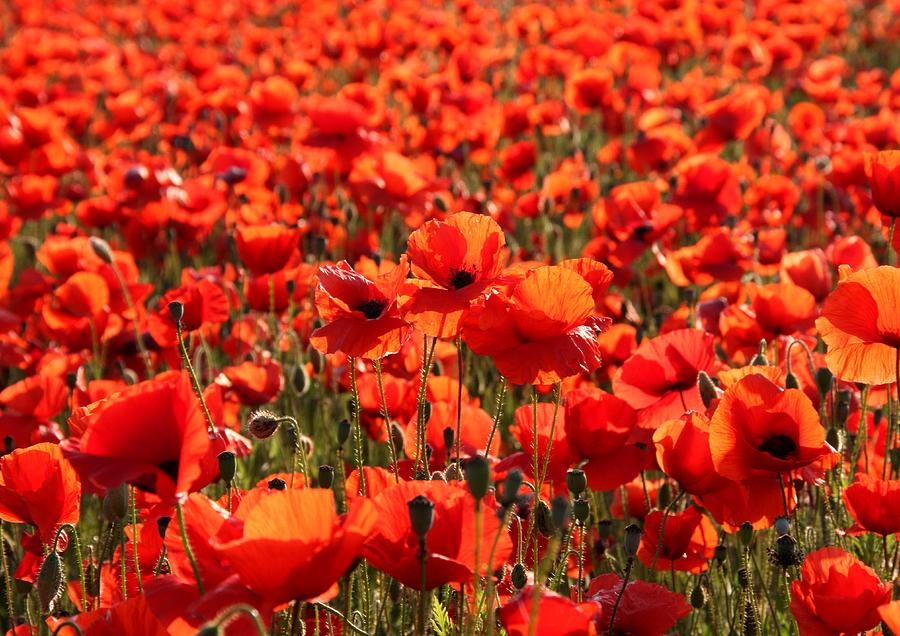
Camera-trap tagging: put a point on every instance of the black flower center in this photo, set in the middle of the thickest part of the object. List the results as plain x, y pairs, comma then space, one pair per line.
170, 468
462, 278
778, 446
371, 309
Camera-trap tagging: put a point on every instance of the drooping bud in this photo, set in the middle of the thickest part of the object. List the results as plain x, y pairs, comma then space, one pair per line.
115, 503
720, 553
707, 388
698, 596
343, 432
604, 529
326, 476
227, 466
421, 515
632, 539
791, 381
664, 495
162, 524
397, 437
511, 486
440, 204
544, 518
824, 380
478, 476
519, 576
448, 440
176, 311
262, 424
101, 249
576, 481
50, 582
210, 630
300, 379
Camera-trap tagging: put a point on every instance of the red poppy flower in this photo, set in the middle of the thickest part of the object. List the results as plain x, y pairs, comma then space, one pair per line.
205, 308
562, 457
266, 249
660, 378
761, 429
883, 170
363, 316
810, 270
688, 541
132, 617
837, 594
458, 258
41, 396
890, 614
545, 331
152, 435
874, 504
39, 487
682, 451
254, 384
645, 609
292, 544
450, 543
860, 330
556, 615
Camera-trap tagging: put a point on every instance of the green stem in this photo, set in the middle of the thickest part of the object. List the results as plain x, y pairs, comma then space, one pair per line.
7, 578
186, 360
68, 527
357, 434
187, 548
223, 619
134, 542
387, 421
145, 356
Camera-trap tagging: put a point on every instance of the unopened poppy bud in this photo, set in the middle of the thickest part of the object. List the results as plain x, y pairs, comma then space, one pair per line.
544, 519
448, 440
115, 503
745, 534
277, 483
440, 204
581, 510
632, 539
511, 486
316, 359
101, 249
233, 175
437, 475
135, 176
162, 524
663, 495
210, 630
421, 515
791, 381
782, 526
519, 576
698, 596
559, 512
707, 388
576, 481
395, 591
397, 437
452, 472
262, 424
842, 409
604, 529
176, 311
759, 360
824, 380
478, 476
343, 432
326, 476
50, 582
833, 437
720, 553
300, 379
227, 466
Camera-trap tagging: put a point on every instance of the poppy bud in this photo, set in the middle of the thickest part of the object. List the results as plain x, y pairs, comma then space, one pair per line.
162, 524
519, 576
511, 486
698, 596
233, 175
343, 432
115, 503
176, 311
129, 377
720, 553
632, 539
395, 590
262, 424
745, 534
576, 481
452, 472
134, 177
581, 510
8, 444
210, 630
440, 204
448, 440
421, 515
438, 476
478, 476
604, 529
706, 387
544, 519
663, 495
842, 409
300, 379
790, 381
276, 483
50, 581
101, 249
326, 476
782, 526
559, 512
833, 437
824, 380
759, 360
397, 437
227, 466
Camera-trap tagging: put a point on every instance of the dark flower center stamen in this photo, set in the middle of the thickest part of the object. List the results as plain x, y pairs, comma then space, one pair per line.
371, 309
462, 278
170, 468
778, 446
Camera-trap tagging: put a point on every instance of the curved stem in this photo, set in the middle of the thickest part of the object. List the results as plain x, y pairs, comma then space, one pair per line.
70, 624
331, 610
225, 617
68, 527
186, 360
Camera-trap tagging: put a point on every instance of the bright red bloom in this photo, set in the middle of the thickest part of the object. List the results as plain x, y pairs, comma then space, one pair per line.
205, 308
254, 384
682, 451
266, 249
39, 487
458, 258
545, 331
646, 609
837, 594
688, 541
883, 170
363, 317
874, 504
556, 615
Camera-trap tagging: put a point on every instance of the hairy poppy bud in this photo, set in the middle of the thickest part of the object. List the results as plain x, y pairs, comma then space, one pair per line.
581, 510
227, 466
210, 630
262, 424
576, 481
176, 311
437, 475
440, 204
720, 553
317, 359
162, 524
833, 437
101, 249
782, 526
707, 388
544, 518
276, 483
791, 381
604, 529
421, 515
511, 486
343, 432
698, 596
824, 380
115, 503
559, 512
519, 576
326, 476
842, 409
478, 476
300, 379
664, 495
426, 412
745, 534
632, 539
49, 582
448, 440
452, 472
397, 437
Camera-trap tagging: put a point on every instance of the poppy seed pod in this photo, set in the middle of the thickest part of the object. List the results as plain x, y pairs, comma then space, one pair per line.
227, 466
544, 518
326, 476
102, 249
478, 476
576, 481
786, 553
50, 581
706, 387
519, 576
115, 503
581, 510
262, 424
343, 432
632, 541
176, 311
421, 515
511, 486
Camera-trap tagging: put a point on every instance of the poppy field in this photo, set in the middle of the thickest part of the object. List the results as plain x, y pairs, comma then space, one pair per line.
408, 317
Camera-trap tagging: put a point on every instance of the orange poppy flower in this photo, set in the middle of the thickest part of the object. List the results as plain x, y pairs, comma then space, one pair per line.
883, 170
363, 317
254, 384
837, 594
810, 270
132, 616
761, 429
266, 249
874, 504
556, 615
205, 307
682, 451
39, 487
688, 541
859, 328
458, 258
292, 544
545, 331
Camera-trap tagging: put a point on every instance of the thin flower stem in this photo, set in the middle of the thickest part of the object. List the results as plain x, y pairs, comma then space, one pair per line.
299, 454
126, 294
231, 613
476, 581
423, 561
489, 591
123, 559
498, 413
71, 625
187, 548
186, 360
7, 578
460, 363
357, 430
784, 501
546, 466
662, 528
134, 542
628, 567
331, 610
387, 422
421, 456
68, 527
